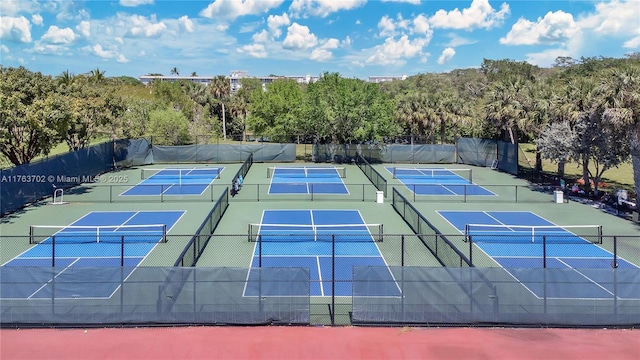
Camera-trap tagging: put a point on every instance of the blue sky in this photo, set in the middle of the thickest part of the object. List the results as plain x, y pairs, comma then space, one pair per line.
356, 38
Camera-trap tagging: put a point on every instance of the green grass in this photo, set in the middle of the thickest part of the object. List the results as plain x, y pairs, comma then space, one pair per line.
620, 177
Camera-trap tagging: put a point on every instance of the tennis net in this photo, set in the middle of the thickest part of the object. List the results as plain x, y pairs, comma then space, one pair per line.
306, 172
570, 234
433, 173
73, 234
326, 233
177, 176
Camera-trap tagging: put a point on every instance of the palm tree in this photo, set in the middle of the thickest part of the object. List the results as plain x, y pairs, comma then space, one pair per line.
621, 102
239, 109
66, 78
175, 71
503, 106
412, 111
220, 88
97, 75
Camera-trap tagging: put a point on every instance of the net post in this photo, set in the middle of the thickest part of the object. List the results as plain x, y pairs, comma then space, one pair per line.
466, 233
97, 234
164, 233
533, 235
249, 233
31, 239
141, 174
600, 240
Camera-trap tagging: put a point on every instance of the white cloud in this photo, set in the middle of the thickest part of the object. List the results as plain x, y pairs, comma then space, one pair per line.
232, 9
122, 59
299, 38
261, 37
458, 41
4, 49
412, 2
633, 43
615, 18
386, 26
321, 55
446, 56
275, 22
478, 15
421, 25
103, 53
84, 29
553, 28
12, 7
396, 51
322, 8
134, 3
44, 48
143, 27
346, 42
36, 19
222, 27
15, 29
186, 23
55, 35
255, 50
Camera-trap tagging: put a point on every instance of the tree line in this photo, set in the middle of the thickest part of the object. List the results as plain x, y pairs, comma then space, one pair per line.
585, 110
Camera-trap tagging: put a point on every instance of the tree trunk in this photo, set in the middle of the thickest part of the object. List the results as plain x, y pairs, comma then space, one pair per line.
585, 172
561, 165
224, 122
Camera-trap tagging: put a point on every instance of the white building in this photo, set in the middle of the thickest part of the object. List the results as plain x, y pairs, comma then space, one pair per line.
236, 75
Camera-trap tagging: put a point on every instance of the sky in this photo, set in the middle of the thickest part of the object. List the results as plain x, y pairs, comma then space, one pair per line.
355, 38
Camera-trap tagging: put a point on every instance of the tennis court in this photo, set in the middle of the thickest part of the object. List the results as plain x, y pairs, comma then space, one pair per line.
102, 246
520, 240
438, 181
174, 181
307, 180
328, 242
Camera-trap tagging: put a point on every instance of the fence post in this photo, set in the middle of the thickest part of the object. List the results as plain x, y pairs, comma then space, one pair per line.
260, 251
122, 251
402, 250
53, 251
470, 250
544, 251
333, 277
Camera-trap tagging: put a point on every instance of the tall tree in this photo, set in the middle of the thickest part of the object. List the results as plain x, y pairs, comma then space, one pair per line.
621, 107
31, 114
220, 88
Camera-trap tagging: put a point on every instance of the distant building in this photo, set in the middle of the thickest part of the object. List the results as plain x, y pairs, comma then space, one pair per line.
146, 79
236, 75
383, 78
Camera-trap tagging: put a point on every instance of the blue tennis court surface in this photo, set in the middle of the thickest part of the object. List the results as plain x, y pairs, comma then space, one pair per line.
306, 180
98, 252
507, 242
303, 238
438, 181
175, 181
